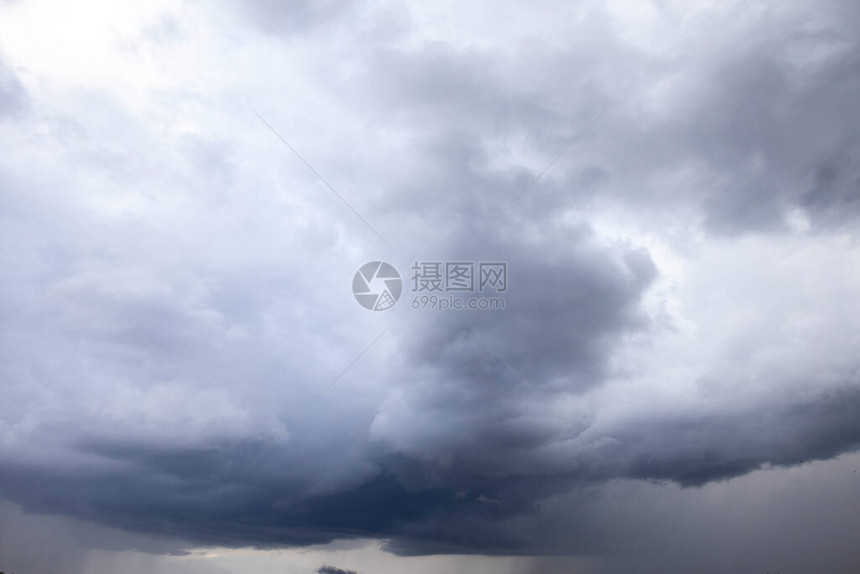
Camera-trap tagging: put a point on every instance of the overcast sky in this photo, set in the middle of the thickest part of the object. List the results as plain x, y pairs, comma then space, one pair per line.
188, 385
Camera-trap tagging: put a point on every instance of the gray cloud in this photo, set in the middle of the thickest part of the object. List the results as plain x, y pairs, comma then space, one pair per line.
333, 570
284, 18
176, 286
13, 96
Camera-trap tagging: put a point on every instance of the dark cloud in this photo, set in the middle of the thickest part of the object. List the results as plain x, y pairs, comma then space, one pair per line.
834, 193
460, 504
173, 303
325, 569
766, 124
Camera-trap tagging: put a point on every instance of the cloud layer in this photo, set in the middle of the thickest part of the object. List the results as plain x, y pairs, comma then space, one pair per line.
175, 295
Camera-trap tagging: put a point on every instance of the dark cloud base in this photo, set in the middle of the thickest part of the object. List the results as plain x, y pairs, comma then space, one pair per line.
214, 500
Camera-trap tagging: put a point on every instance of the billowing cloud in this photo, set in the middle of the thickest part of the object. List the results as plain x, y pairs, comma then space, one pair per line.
180, 352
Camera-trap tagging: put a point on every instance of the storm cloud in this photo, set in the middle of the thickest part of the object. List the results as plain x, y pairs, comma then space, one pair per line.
674, 190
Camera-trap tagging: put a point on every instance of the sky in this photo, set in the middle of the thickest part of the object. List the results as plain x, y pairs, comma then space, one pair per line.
189, 384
